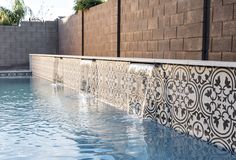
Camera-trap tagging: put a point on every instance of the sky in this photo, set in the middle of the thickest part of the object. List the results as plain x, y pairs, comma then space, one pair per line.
49, 9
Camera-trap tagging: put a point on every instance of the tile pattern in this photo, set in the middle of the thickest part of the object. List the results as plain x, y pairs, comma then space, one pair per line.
198, 101
138, 78
112, 82
71, 73
88, 77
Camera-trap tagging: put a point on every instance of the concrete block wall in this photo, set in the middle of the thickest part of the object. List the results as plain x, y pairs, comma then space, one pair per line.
169, 29
223, 30
100, 30
17, 42
70, 35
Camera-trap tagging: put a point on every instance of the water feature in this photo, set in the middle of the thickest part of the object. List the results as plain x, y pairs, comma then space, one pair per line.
139, 76
87, 77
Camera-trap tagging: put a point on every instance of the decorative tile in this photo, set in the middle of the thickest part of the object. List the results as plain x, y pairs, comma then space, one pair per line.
88, 77
138, 79
199, 101
112, 82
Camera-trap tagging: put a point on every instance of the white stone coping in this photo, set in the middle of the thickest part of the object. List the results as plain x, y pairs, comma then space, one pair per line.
149, 60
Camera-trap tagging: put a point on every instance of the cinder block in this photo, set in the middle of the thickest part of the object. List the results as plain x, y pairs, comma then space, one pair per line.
170, 33
229, 28
193, 55
138, 36
176, 45
164, 45
147, 35
153, 3
152, 46
170, 8
190, 30
216, 29
158, 55
229, 56
147, 55
229, 1
158, 10
234, 44
177, 19
223, 13
187, 5
142, 46
143, 4
169, 55
129, 37
195, 16
180, 55
164, 21
221, 44
216, 3
215, 56
153, 23
193, 44
158, 34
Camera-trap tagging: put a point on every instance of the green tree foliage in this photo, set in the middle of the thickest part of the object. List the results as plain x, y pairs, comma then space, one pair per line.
81, 5
14, 16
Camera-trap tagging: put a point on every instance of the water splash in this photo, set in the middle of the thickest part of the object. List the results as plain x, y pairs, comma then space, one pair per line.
85, 75
139, 75
141, 69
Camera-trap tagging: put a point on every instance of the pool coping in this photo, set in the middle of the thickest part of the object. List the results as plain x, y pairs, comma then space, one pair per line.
15, 73
148, 60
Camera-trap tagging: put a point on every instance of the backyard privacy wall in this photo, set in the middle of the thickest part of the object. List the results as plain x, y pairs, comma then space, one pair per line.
17, 42
100, 30
70, 35
170, 29
223, 30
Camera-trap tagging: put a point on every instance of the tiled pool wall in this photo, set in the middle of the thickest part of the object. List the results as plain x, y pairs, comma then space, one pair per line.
193, 99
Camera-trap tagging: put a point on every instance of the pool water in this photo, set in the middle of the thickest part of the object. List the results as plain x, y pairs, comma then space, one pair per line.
41, 121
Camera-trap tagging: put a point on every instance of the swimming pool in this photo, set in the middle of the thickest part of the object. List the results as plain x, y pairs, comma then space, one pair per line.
39, 120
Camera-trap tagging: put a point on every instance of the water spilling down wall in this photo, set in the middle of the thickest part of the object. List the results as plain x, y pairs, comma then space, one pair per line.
195, 100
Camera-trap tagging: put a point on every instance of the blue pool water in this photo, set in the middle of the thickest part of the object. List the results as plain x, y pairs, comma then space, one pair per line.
39, 121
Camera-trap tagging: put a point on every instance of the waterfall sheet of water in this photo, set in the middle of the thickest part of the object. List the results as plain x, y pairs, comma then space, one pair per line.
137, 101
85, 73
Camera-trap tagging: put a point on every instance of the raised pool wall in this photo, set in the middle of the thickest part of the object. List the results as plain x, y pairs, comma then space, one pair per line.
194, 97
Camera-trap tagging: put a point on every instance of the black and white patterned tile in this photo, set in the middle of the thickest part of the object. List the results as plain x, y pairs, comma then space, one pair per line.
112, 82
199, 101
